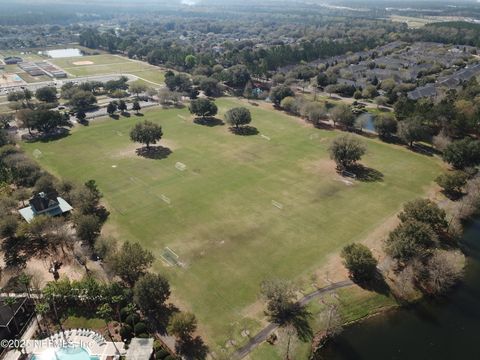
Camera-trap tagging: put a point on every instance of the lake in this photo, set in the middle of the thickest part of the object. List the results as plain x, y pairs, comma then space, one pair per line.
442, 329
63, 53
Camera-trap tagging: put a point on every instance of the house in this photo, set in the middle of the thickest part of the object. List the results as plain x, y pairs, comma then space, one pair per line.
12, 60
422, 92
45, 204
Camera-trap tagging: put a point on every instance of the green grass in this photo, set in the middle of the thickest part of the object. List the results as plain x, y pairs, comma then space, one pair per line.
80, 322
110, 64
221, 221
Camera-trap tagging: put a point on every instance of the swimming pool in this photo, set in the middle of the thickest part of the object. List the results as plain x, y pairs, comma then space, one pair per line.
66, 353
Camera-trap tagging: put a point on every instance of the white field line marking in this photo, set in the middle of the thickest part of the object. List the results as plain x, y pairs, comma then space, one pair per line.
277, 204
180, 166
165, 260
164, 198
265, 137
173, 252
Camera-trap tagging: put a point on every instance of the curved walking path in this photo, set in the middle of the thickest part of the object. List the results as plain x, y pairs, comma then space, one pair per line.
266, 331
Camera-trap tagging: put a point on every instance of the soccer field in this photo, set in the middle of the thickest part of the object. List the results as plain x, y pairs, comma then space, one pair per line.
234, 209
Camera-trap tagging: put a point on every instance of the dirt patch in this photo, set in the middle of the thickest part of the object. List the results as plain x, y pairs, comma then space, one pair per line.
130, 151
320, 167
82, 63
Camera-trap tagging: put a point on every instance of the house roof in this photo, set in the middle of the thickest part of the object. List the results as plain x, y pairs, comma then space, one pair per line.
42, 202
28, 213
7, 313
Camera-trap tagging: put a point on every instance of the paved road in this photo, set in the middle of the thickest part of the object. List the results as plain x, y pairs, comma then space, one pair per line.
265, 332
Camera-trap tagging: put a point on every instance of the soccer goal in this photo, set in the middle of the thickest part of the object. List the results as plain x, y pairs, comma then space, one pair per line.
180, 166
169, 257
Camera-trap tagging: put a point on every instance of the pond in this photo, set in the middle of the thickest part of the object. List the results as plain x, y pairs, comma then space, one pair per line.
63, 53
442, 329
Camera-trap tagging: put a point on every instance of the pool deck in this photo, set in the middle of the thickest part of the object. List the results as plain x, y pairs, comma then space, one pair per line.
94, 343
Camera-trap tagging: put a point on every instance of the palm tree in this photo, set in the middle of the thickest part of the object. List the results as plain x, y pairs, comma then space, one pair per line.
41, 309
105, 312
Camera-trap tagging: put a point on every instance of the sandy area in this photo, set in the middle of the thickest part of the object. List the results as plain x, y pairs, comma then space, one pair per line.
82, 63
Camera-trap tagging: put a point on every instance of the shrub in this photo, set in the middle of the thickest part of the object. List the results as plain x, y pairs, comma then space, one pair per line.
132, 319
161, 354
140, 328
126, 331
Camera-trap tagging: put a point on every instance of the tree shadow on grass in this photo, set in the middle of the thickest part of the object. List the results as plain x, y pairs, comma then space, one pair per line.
323, 125
154, 152
424, 149
126, 114
244, 130
53, 135
366, 174
208, 121
114, 116
376, 284
139, 114
192, 348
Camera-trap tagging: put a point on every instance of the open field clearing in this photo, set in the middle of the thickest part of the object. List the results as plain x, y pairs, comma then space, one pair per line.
234, 210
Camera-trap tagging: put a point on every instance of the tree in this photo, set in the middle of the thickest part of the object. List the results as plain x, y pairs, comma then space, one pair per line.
88, 227
146, 133
462, 154
346, 150
81, 116
385, 125
82, 100
190, 61
203, 108
42, 308
452, 183
182, 325
282, 308
343, 114
46, 120
238, 116
440, 272
46, 94
150, 292
427, 212
137, 88
290, 104
136, 107
278, 93
131, 262
411, 130
411, 239
111, 108
359, 261
210, 86
122, 106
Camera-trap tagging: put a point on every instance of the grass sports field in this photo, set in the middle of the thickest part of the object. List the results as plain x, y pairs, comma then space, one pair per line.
109, 64
243, 209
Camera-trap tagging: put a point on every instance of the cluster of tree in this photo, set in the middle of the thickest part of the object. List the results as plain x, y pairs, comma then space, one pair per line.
44, 121
418, 241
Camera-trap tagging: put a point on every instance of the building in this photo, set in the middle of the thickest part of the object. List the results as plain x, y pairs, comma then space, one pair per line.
14, 318
45, 204
12, 60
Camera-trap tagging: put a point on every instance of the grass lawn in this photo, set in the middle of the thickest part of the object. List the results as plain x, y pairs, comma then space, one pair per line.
220, 220
110, 64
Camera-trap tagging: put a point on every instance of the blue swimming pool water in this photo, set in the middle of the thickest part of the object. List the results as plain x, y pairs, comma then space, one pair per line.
68, 353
